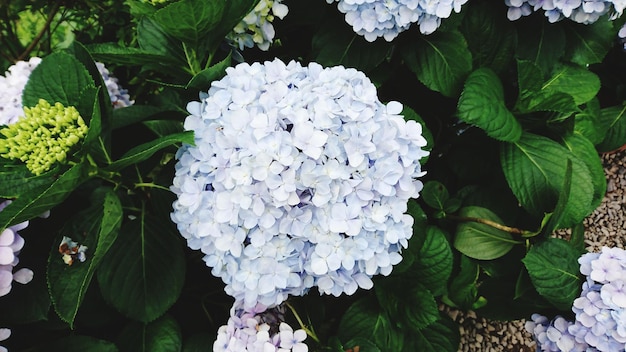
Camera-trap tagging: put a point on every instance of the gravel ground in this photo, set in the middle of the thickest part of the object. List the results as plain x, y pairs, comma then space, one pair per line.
606, 226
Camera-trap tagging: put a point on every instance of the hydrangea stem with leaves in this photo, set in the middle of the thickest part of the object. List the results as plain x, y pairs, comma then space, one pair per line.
256, 187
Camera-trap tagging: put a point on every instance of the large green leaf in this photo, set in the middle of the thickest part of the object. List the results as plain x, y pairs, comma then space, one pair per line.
463, 290
440, 336
38, 200
16, 178
161, 335
576, 81
441, 61
433, 264
337, 44
553, 268
203, 79
112, 52
585, 151
616, 133
490, 36
144, 271
481, 241
482, 104
59, 78
540, 42
153, 39
589, 44
535, 168
190, 20
146, 150
80, 343
96, 228
364, 319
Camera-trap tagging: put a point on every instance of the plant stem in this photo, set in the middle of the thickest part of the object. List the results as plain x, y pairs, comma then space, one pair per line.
308, 331
37, 39
151, 185
513, 230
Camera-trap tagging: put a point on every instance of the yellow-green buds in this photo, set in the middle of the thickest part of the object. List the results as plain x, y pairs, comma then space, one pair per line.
44, 136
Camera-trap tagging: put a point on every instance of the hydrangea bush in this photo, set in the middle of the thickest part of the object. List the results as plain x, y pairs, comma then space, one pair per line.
306, 176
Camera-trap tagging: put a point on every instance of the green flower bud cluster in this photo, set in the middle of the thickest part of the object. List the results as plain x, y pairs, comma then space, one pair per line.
44, 136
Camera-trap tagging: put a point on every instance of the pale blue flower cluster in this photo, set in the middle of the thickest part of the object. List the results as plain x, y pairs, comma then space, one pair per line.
299, 177
387, 18
13, 82
581, 11
10, 245
259, 330
257, 28
600, 323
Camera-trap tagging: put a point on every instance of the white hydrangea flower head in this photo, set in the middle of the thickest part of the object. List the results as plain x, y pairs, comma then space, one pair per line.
580, 11
13, 82
4, 334
256, 28
600, 311
10, 245
387, 18
299, 177
259, 330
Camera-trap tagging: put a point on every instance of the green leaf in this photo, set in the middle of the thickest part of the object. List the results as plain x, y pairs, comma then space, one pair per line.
190, 20
553, 268
589, 44
482, 104
80, 343
152, 38
435, 194
554, 219
585, 151
336, 44
540, 42
198, 342
440, 336
34, 203
360, 343
96, 228
164, 128
59, 78
161, 335
592, 123
203, 79
16, 179
580, 83
113, 52
490, 36
433, 264
441, 61
146, 150
463, 290
144, 271
535, 168
616, 132
133, 114
481, 241
364, 319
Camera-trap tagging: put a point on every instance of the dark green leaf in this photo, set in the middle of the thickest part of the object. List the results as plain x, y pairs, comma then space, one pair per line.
584, 150
154, 40
540, 42
143, 273
16, 179
203, 79
589, 44
98, 225
59, 78
132, 114
337, 44
591, 122
36, 201
435, 194
80, 343
111, 52
190, 20
578, 82
553, 268
362, 344
553, 219
164, 128
198, 342
146, 150
434, 262
440, 336
616, 133
535, 168
161, 335
481, 241
441, 61
364, 319
482, 104
463, 290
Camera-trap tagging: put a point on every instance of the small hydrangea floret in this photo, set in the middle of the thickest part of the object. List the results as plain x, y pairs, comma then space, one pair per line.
44, 136
600, 311
256, 28
299, 177
387, 18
